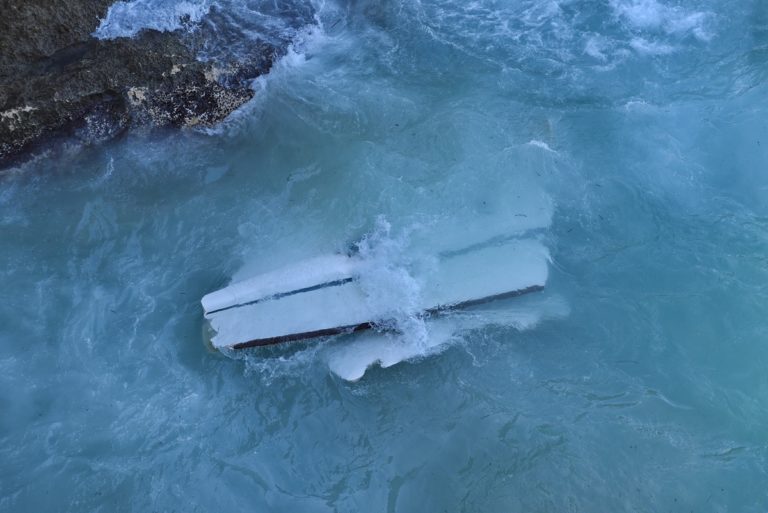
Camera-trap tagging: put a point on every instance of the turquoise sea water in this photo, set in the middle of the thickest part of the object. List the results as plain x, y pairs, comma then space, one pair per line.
638, 382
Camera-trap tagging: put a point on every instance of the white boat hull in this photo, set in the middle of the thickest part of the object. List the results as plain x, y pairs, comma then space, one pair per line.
331, 295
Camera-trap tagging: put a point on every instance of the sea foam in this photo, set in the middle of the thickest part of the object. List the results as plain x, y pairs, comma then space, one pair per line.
126, 19
652, 15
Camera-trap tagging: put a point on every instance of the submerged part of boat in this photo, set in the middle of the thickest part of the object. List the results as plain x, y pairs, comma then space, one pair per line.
332, 294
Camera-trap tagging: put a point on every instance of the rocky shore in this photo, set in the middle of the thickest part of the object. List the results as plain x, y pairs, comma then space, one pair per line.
57, 82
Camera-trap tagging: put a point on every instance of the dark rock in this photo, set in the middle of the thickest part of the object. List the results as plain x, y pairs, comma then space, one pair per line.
34, 29
58, 81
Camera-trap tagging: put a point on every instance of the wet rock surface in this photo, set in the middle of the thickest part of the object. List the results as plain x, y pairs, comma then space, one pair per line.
57, 82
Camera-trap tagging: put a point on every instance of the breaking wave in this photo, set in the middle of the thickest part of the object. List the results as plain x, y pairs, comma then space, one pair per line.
128, 18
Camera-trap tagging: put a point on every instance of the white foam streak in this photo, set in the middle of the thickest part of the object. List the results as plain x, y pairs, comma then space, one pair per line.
541, 144
645, 47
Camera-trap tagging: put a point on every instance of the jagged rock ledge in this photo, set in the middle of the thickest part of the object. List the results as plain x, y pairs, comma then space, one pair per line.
56, 81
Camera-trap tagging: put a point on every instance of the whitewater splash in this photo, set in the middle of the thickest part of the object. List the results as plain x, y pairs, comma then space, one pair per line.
390, 280
128, 18
232, 22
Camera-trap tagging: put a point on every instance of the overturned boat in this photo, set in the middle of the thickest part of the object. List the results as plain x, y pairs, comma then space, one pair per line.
332, 294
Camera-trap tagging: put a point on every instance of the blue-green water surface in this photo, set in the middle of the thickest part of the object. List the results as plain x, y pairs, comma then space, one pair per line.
642, 385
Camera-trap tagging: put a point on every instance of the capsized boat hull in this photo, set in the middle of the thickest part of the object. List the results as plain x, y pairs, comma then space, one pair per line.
332, 295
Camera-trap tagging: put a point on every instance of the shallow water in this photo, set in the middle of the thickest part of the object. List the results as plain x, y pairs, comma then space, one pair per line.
636, 382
